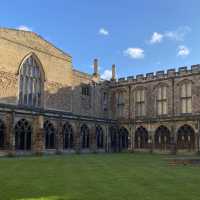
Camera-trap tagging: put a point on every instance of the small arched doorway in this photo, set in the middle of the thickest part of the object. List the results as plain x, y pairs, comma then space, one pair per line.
85, 137
162, 138
141, 138
123, 135
2, 134
49, 132
68, 138
186, 137
99, 137
23, 132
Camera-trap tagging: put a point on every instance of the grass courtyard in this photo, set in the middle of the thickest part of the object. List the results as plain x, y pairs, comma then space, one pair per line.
97, 176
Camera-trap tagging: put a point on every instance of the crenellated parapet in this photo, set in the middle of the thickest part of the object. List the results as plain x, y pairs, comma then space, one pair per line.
182, 71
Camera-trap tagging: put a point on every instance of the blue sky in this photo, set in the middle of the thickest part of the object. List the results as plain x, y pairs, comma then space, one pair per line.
139, 36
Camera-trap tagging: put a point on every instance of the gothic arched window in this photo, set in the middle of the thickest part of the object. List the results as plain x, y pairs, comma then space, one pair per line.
23, 132
85, 137
68, 139
31, 82
99, 137
49, 131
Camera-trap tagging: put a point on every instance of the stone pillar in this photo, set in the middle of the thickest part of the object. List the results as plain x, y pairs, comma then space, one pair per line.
59, 137
198, 143
77, 137
107, 145
173, 141
195, 142
131, 135
151, 141
9, 133
93, 144
38, 144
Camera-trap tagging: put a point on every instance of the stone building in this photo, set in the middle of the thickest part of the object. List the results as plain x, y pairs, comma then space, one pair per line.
47, 106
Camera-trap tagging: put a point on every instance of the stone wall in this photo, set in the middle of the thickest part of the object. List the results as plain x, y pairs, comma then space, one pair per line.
151, 86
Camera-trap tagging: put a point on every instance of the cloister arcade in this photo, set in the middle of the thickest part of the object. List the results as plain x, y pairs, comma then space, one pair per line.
98, 137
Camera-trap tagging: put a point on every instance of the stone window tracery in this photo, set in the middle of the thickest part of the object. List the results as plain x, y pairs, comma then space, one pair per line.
31, 83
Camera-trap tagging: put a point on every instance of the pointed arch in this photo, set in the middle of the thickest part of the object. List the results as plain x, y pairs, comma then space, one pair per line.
23, 135
31, 82
68, 136
162, 137
141, 137
85, 136
114, 138
49, 131
186, 137
123, 137
99, 137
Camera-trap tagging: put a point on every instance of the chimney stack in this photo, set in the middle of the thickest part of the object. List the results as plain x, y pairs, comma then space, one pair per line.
96, 67
113, 72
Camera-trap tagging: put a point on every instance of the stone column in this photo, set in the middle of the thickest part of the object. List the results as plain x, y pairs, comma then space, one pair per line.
151, 141
59, 137
77, 142
195, 142
131, 135
93, 144
107, 140
173, 141
38, 144
9, 133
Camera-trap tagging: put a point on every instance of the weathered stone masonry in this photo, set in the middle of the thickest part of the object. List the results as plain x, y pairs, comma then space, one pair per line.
46, 106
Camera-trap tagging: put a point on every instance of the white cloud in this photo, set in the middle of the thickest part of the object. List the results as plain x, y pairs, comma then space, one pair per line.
103, 31
156, 38
183, 51
134, 53
178, 34
107, 74
24, 28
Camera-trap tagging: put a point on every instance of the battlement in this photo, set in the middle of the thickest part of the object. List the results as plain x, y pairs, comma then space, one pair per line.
162, 74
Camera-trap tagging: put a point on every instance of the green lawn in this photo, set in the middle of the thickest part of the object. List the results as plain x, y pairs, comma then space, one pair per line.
97, 176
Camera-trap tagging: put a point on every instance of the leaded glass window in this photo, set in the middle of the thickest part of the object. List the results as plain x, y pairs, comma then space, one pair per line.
31, 83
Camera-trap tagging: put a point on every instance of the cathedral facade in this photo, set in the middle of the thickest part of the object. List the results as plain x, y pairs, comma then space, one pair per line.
47, 106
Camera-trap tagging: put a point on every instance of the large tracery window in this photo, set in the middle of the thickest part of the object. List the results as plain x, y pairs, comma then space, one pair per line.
162, 100
140, 102
186, 97
31, 83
